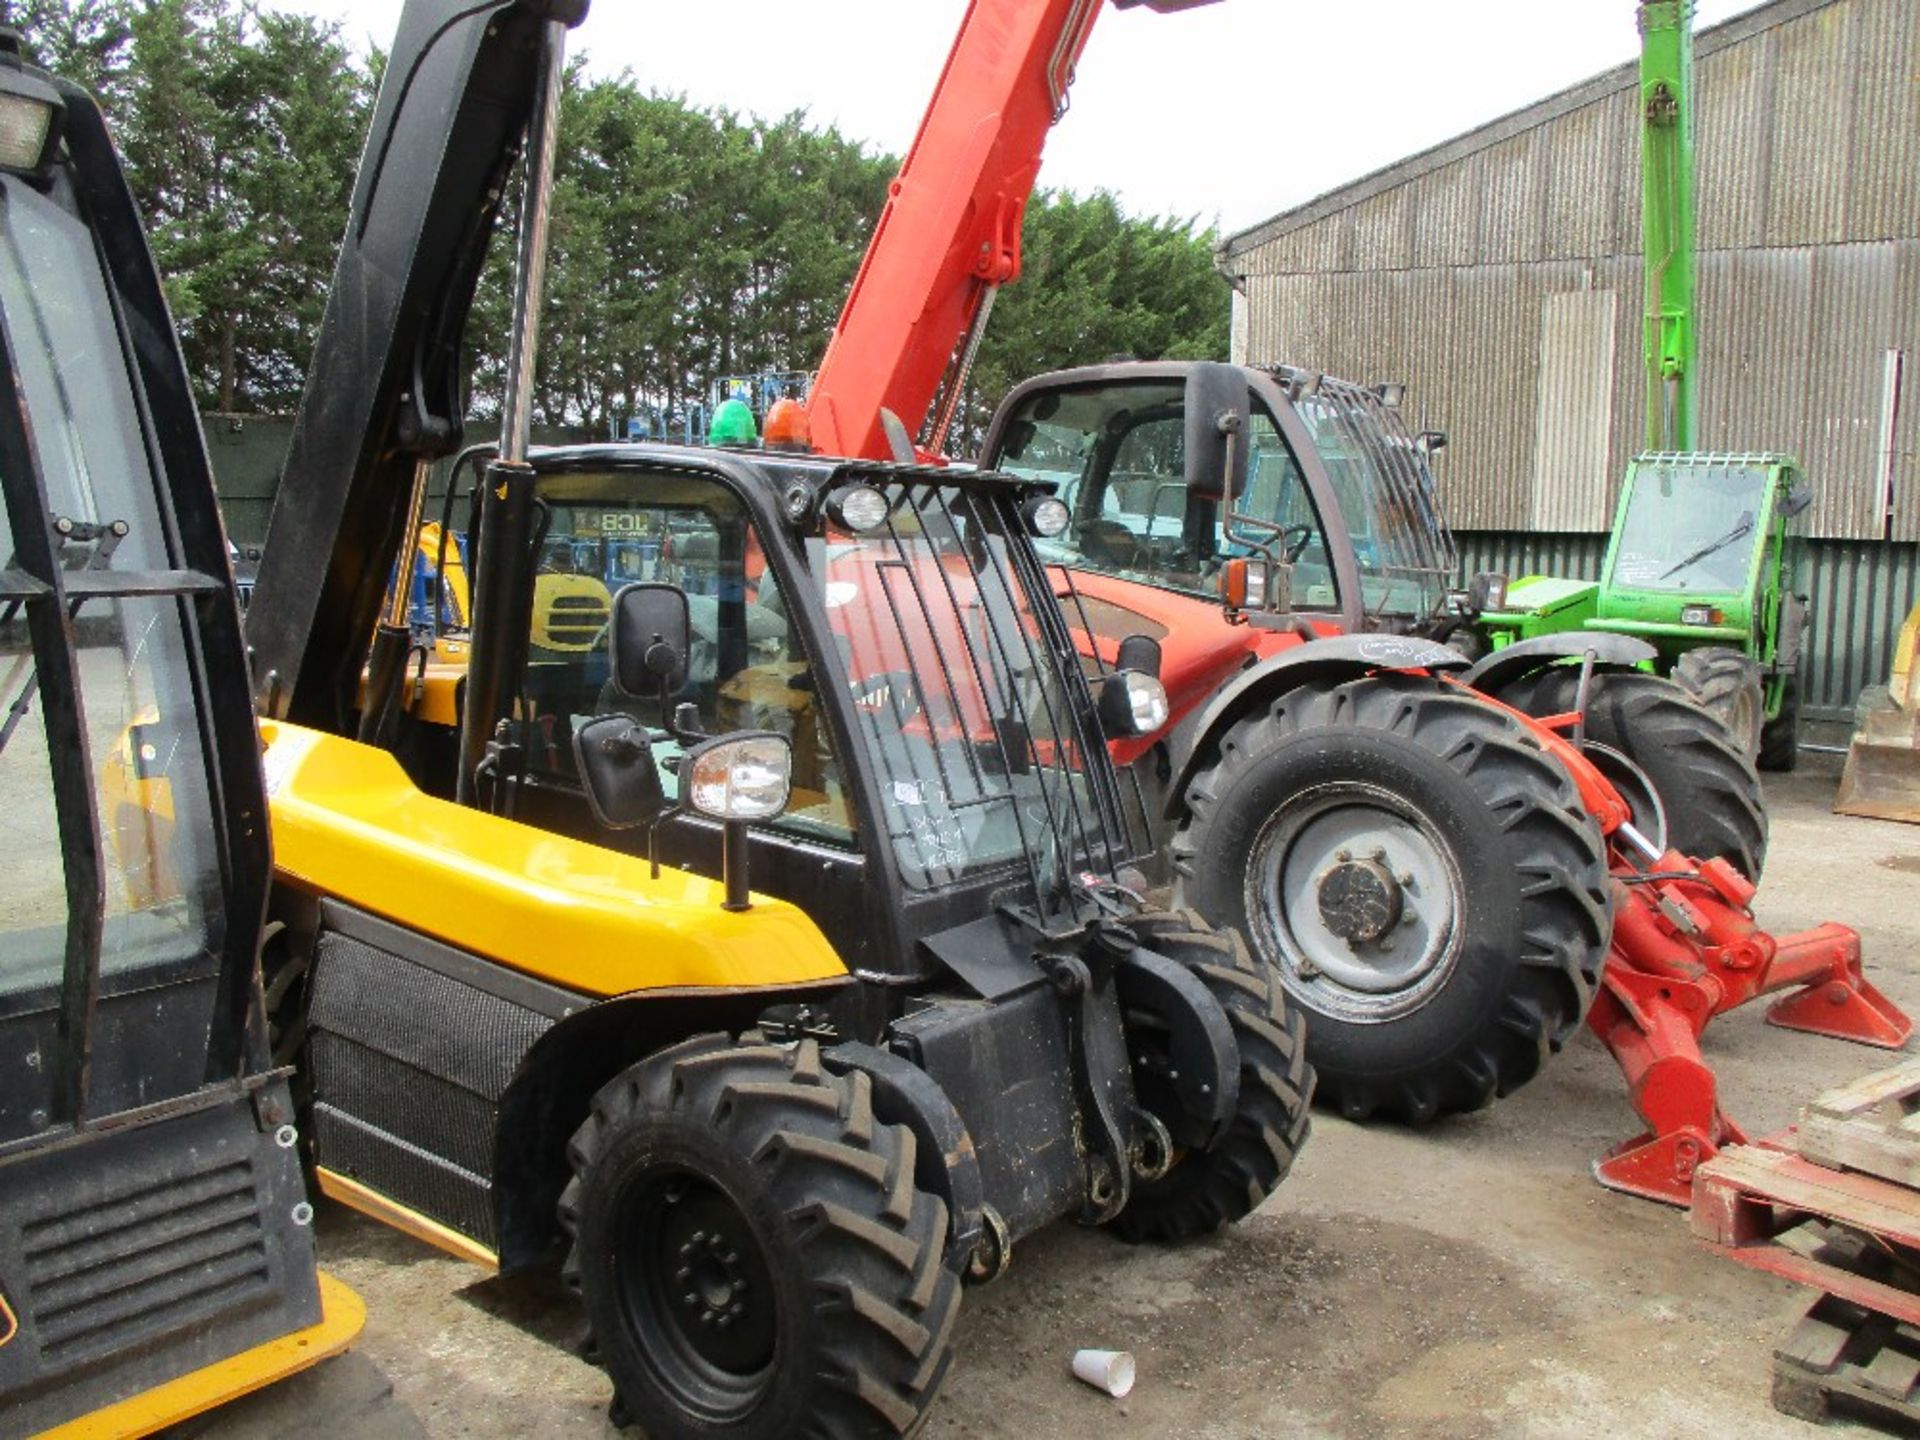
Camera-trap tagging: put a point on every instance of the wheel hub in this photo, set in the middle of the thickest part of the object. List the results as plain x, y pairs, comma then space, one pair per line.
1357, 897
712, 1280
1360, 900
697, 1290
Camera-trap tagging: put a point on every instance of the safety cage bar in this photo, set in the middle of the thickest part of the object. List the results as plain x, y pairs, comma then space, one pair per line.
1046, 728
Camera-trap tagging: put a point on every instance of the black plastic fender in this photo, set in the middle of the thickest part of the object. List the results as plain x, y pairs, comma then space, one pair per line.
945, 1162
1337, 656
1204, 1057
1504, 666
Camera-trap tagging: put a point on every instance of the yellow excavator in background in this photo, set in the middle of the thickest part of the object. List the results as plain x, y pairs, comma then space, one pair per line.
1882, 778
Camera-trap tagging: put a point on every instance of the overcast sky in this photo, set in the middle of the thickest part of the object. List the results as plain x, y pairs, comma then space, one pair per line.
1230, 113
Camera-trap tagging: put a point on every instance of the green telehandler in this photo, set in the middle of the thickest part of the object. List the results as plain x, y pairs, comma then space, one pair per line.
1703, 561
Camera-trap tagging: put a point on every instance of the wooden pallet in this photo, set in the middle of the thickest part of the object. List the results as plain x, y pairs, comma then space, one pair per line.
1772, 1210
1845, 1361
1871, 1126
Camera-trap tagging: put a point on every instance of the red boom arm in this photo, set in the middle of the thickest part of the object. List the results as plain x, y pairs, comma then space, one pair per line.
950, 232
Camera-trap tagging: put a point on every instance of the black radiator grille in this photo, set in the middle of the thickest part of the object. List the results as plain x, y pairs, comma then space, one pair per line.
144, 1260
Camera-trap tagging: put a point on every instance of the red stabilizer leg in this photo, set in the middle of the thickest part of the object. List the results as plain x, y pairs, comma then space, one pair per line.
1652, 1027
1849, 1009
1658, 1167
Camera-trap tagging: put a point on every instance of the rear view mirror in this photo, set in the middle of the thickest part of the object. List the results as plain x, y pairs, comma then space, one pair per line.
618, 772
1431, 442
1216, 431
1798, 499
652, 630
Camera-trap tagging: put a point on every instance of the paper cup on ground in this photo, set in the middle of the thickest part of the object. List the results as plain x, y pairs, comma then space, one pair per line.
1108, 1370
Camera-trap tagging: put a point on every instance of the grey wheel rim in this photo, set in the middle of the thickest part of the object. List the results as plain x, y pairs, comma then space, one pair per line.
1745, 715
1357, 900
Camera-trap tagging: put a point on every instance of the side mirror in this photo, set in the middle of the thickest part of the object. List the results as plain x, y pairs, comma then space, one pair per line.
618, 772
1216, 431
651, 633
1431, 442
1798, 499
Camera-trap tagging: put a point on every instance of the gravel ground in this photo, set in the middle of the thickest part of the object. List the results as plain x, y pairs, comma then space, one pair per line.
1467, 1280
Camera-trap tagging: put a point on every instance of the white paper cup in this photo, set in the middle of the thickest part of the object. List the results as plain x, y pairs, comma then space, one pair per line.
1108, 1370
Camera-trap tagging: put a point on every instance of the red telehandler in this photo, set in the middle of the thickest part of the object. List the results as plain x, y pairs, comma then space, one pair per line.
1449, 864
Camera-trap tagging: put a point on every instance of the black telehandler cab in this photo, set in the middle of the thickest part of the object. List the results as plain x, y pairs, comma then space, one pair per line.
764, 942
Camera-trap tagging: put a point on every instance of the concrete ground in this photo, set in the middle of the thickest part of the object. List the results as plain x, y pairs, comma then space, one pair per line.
1467, 1280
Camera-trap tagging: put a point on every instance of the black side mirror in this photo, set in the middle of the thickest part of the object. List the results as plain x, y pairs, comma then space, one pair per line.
618, 771
1216, 431
1431, 442
652, 630
1798, 499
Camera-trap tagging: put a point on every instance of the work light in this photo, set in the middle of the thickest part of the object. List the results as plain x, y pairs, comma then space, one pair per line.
30, 113
858, 508
1047, 516
741, 777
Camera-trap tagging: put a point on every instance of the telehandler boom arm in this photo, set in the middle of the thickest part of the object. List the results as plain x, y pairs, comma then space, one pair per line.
949, 236
1666, 218
383, 390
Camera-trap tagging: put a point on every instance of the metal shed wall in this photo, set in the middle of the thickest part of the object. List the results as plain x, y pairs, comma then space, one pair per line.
1448, 271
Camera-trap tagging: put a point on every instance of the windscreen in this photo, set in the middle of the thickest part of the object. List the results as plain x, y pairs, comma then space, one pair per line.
1384, 489
969, 700
1690, 527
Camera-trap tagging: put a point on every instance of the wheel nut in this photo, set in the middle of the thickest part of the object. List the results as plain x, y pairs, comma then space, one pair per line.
1405, 877
1380, 853
1343, 856
1387, 944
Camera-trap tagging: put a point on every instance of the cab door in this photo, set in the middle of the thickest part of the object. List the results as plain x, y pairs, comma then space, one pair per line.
152, 1214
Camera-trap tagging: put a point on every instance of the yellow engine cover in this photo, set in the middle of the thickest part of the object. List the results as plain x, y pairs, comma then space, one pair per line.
349, 824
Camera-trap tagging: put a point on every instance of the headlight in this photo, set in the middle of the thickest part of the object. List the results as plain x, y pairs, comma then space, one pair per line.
858, 508
1133, 704
1048, 517
1487, 591
1701, 615
745, 777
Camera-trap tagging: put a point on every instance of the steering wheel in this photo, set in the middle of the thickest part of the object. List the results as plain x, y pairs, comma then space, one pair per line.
1296, 539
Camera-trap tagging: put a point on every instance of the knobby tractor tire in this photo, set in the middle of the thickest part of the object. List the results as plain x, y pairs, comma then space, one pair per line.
1208, 1189
754, 1256
1439, 800
1780, 739
1710, 791
1727, 685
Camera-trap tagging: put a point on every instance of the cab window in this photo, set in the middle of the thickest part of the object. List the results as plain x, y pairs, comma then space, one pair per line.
746, 668
1117, 454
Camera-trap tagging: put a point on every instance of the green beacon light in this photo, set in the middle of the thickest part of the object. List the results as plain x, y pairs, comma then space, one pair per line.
732, 425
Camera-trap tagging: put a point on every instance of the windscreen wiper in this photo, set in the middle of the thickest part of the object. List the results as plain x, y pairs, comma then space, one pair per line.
1743, 528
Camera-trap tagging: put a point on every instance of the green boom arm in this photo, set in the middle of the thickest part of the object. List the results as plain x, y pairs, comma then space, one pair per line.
1666, 178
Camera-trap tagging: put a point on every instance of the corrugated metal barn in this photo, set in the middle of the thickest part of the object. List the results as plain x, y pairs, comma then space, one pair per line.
1499, 275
